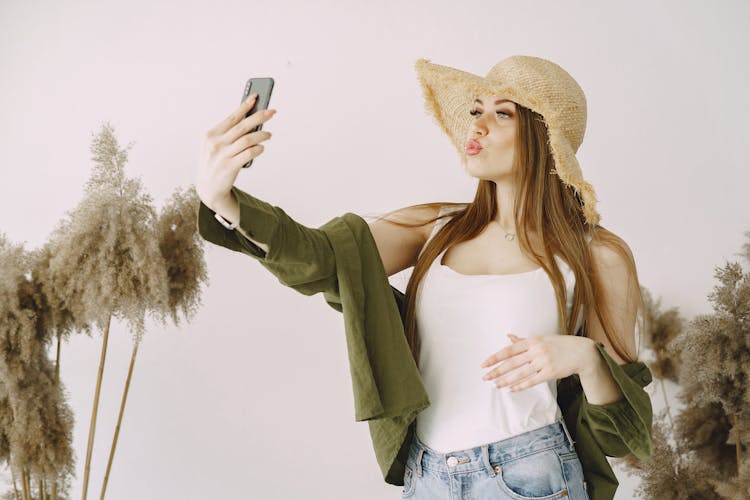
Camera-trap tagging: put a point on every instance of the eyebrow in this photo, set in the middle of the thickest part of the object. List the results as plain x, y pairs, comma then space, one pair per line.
496, 102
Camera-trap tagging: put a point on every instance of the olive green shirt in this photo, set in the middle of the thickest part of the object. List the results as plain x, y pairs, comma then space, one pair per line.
340, 260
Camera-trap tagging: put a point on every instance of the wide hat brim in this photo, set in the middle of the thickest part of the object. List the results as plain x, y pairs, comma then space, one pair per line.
532, 82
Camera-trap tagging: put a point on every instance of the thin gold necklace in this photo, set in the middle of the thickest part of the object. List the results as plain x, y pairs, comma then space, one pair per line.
508, 236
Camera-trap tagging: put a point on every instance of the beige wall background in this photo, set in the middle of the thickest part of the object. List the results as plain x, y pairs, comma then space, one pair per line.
253, 398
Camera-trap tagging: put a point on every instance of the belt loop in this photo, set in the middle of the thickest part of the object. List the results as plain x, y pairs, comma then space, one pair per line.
565, 428
486, 459
419, 461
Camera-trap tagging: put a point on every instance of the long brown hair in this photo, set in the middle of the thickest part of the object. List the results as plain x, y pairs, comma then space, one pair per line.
551, 209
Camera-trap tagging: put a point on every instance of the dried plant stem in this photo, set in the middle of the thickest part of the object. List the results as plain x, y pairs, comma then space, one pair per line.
737, 443
119, 419
92, 425
26, 484
15, 487
53, 495
678, 465
57, 365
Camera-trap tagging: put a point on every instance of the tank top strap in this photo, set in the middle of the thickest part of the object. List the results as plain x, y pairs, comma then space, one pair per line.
444, 209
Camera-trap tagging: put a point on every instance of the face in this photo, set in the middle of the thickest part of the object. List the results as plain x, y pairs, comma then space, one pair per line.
493, 126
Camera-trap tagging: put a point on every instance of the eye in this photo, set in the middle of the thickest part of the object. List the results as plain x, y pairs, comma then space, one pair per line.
475, 112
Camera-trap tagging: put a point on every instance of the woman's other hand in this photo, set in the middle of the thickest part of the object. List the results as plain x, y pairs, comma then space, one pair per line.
533, 360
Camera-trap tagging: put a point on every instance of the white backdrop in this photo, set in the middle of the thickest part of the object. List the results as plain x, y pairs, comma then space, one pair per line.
253, 398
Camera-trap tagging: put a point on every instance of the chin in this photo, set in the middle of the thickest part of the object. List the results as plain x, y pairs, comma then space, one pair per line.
481, 176
478, 166
480, 172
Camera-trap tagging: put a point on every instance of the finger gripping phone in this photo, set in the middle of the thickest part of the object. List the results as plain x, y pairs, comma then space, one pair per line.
264, 87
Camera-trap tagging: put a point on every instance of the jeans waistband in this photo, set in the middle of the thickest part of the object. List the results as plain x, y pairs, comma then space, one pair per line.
549, 436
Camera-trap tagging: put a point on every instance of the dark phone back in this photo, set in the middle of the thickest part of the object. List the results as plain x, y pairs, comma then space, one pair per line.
264, 87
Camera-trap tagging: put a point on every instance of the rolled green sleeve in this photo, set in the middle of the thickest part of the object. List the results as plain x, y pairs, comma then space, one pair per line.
623, 426
299, 256
211, 230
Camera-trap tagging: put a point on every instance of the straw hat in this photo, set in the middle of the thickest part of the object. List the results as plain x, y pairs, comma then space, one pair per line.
532, 82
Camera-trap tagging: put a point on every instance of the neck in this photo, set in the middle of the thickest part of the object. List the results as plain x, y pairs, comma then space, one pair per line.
506, 197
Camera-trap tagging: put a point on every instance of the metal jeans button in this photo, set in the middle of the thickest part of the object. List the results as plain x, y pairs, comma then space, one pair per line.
452, 461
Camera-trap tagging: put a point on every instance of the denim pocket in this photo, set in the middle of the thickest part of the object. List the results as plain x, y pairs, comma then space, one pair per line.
573, 470
409, 482
533, 477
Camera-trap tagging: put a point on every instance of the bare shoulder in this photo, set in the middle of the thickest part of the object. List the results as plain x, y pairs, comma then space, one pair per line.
607, 251
400, 235
419, 215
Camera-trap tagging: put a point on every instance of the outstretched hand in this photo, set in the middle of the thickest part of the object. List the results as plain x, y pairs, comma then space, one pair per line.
227, 146
534, 360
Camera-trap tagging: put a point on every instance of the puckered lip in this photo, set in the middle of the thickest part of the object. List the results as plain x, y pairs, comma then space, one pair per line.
473, 144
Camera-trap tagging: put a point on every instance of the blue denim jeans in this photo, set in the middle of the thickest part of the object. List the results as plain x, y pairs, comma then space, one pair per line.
538, 464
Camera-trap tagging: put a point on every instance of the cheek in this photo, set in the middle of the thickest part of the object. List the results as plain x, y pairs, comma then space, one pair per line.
509, 138
504, 140
504, 148
509, 147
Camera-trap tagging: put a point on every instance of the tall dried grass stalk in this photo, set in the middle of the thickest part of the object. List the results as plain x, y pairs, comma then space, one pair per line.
106, 258
119, 420
94, 409
115, 258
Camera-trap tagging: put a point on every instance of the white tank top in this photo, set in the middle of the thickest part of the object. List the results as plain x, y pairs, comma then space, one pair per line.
462, 320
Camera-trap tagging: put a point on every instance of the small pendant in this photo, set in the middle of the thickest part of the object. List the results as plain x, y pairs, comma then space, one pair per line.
509, 236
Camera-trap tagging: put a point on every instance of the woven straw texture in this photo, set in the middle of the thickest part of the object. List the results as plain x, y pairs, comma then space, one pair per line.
532, 82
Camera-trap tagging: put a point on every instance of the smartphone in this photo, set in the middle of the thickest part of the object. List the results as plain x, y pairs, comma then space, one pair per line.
264, 87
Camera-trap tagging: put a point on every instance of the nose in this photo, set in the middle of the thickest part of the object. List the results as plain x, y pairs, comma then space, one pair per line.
478, 126
477, 129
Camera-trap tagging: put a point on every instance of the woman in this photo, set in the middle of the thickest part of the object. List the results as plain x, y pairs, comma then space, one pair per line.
490, 271
526, 256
